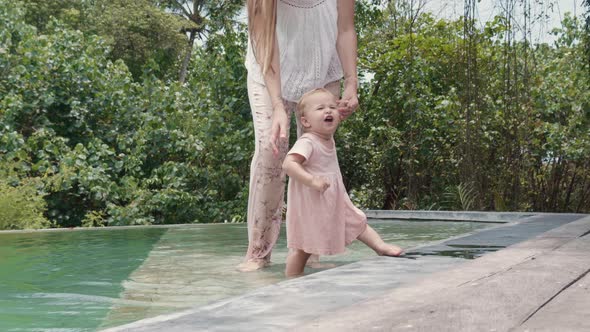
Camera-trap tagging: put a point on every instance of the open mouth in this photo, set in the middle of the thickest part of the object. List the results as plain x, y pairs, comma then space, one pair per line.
329, 118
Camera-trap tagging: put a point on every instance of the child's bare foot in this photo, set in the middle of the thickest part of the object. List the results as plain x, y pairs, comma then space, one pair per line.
318, 265
389, 250
314, 263
252, 265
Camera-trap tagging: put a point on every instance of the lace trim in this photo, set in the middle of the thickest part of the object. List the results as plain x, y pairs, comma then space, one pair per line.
303, 3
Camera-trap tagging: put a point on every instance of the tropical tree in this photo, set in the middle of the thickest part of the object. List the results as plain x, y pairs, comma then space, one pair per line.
140, 34
587, 34
73, 13
101, 148
202, 18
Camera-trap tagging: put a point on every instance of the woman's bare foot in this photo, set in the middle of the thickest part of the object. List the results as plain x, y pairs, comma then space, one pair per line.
252, 265
389, 250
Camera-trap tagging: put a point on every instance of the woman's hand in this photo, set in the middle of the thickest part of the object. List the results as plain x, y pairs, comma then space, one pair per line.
320, 183
349, 101
279, 129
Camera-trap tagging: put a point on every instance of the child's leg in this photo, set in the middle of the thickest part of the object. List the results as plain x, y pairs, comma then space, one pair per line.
372, 239
296, 262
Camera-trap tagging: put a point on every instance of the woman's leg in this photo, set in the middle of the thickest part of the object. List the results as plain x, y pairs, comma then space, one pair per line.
267, 183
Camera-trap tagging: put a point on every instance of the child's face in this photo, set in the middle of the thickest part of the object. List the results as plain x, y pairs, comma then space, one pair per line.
320, 114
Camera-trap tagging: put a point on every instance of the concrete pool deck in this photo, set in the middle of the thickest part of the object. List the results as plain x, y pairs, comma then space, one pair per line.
538, 282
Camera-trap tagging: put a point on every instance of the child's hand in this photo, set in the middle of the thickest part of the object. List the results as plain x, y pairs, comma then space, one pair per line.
343, 110
320, 183
349, 101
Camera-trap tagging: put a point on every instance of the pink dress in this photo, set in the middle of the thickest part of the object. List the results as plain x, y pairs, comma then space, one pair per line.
321, 223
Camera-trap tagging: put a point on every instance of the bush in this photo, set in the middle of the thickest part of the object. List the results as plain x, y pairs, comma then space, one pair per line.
22, 206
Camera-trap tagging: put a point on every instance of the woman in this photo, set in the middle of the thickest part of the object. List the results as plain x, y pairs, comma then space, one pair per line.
294, 46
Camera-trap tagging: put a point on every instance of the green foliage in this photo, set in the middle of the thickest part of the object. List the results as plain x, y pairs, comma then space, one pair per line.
94, 219
140, 34
111, 151
21, 206
586, 35
94, 131
206, 17
71, 12
406, 128
460, 197
514, 128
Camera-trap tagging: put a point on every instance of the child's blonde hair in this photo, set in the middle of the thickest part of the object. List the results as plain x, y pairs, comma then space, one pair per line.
301, 104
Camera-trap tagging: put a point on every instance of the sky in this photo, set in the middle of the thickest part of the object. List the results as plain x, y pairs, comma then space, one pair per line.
548, 15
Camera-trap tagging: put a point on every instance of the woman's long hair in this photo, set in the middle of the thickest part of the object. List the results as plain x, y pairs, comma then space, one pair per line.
262, 20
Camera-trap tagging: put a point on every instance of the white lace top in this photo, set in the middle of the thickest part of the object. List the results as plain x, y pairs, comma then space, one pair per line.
306, 33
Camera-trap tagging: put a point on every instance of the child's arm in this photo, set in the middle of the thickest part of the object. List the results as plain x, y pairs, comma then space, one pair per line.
293, 167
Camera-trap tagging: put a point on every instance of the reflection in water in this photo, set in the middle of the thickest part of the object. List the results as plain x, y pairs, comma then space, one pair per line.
83, 280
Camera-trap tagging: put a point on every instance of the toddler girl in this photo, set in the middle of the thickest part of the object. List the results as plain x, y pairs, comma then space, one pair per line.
321, 219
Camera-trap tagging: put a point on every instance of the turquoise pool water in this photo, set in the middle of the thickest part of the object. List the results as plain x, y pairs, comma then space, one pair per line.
85, 280
66, 281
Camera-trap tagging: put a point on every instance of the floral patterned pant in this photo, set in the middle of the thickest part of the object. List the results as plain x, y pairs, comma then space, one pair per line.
267, 179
